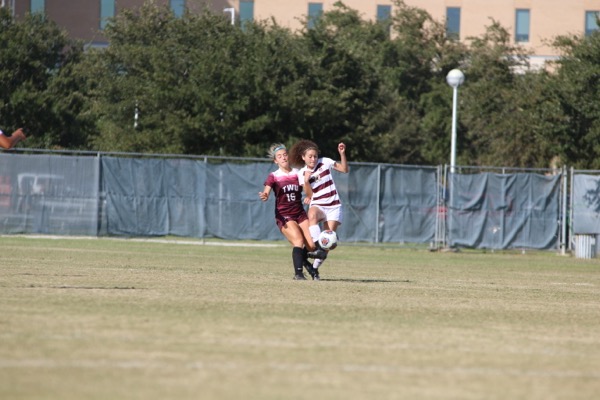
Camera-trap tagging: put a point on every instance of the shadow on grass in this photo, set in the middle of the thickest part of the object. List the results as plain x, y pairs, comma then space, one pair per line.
84, 287
365, 280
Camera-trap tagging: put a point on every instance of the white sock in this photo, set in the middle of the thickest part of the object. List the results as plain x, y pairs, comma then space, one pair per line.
317, 262
315, 231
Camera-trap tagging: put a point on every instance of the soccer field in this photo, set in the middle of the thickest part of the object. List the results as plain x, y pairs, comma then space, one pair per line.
124, 319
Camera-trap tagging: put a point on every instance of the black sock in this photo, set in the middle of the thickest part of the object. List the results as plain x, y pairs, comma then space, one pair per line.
298, 259
305, 252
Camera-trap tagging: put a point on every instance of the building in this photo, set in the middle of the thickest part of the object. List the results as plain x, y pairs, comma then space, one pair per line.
533, 23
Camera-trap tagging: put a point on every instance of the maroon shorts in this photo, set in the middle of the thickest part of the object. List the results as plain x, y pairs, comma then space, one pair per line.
281, 220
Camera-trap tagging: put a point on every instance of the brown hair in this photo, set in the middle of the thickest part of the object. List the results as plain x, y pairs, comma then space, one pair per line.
298, 150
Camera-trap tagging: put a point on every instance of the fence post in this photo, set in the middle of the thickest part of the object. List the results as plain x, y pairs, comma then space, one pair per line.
377, 209
447, 206
570, 241
563, 240
439, 231
99, 205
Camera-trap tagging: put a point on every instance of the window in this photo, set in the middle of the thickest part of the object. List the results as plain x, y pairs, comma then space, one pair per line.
591, 22
37, 6
178, 7
246, 12
453, 23
315, 10
522, 26
107, 10
384, 13
384, 17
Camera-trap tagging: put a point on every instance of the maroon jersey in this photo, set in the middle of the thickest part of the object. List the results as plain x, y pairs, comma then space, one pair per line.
288, 196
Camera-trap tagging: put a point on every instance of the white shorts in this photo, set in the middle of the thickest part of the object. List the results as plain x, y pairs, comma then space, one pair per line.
332, 213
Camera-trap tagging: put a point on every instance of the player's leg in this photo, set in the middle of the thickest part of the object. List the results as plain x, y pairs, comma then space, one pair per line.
294, 235
332, 225
309, 246
290, 230
10, 142
333, 217
316, 215
308, 241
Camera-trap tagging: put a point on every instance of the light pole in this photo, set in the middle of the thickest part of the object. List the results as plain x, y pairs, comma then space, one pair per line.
455, 78
136, 115
231, 10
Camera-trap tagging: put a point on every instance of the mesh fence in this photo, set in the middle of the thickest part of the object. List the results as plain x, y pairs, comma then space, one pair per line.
214, 197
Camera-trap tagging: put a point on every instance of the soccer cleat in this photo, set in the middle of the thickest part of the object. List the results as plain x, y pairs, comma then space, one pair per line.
315, 276
299, 277
318, 253
309, 267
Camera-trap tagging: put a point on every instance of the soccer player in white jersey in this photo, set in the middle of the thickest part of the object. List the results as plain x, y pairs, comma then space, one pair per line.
321, 194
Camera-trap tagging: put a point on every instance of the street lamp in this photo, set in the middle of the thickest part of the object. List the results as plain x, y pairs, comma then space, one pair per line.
455, 78
231, 10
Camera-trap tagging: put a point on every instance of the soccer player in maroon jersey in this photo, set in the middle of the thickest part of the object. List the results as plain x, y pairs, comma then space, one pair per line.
290, 215
321, 194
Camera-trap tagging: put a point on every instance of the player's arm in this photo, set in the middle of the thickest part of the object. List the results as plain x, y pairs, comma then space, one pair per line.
342, 165
307, 188
10, 142
264, 195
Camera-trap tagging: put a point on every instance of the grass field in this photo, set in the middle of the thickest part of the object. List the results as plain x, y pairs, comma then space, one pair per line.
122, 319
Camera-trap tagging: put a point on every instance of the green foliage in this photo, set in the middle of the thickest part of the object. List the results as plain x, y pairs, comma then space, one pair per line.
33, 54
575, 88
499, 105
200, 85
341, 91
411, 126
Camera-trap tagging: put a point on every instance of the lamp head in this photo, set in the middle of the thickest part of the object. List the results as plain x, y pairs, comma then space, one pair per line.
455, 78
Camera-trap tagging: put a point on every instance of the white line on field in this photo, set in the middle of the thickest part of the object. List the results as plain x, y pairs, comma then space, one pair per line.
345, 368
150, 240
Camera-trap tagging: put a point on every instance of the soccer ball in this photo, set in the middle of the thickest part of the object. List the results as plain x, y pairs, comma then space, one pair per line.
328, 240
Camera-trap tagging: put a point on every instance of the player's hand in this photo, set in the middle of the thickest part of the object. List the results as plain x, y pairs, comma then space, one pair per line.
307, 200
263, 196
342, 148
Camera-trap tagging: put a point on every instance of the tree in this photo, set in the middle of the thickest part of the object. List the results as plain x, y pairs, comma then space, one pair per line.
341, 90
145, 72
503, 105
195, 84
575, 87
412, 126
201, 86
34, 55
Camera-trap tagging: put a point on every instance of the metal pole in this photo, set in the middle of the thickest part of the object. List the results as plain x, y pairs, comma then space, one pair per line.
563, 243
571, 205
439, 193
447, 194
453, 143
377, 210
455, 78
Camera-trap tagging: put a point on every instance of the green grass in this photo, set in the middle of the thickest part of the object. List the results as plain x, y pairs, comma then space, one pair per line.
118, 319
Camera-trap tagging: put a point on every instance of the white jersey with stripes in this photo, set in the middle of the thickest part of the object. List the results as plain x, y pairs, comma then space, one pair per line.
321, 181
